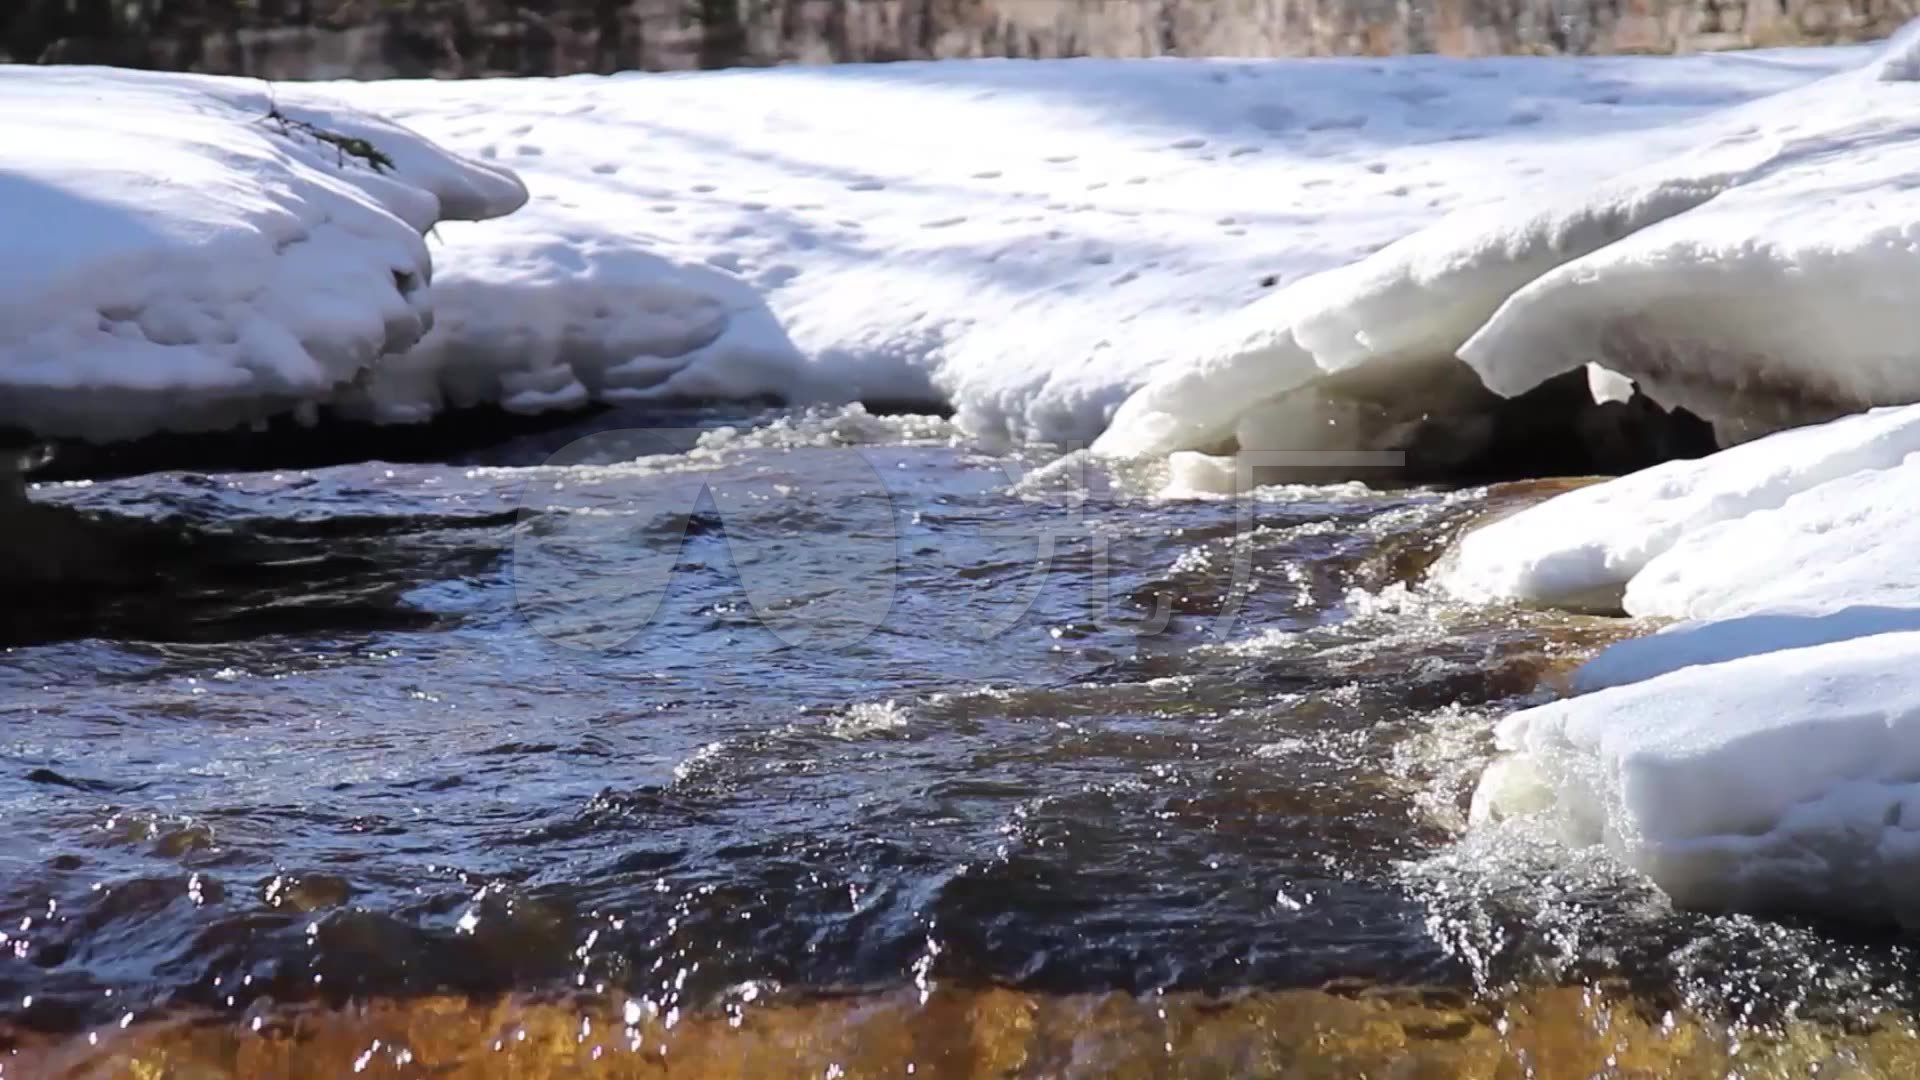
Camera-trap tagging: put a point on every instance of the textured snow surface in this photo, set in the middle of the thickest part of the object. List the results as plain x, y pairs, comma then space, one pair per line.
177, 258
1585, 547
1749, 264
1781, 299
1233, 249
1784, 781
1028, 241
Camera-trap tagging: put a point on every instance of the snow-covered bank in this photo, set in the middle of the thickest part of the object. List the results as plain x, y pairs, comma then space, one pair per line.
189, 253
1029, 241
1748, 265
1588, 547
1760, 752
1784, 298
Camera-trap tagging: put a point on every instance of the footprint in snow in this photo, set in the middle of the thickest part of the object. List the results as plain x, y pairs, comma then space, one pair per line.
775, 276
606, 168
868, 184
1274, 118
1190, 143
1338, 123
989, 174
943, 223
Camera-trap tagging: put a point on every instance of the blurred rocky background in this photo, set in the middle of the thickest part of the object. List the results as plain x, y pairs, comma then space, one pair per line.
321, 39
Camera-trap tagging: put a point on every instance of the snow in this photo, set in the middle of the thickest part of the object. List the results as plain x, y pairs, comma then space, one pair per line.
1583, 548
1028, 241
179, 259
1824, 566
1170, 255
1762, 752
1779, 300
541, 311
1789, 781
1824, 548
1748, 264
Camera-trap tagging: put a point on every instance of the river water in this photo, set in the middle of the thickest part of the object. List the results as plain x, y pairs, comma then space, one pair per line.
729, 744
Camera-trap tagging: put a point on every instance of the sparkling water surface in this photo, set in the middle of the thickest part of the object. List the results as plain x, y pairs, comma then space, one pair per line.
742, 708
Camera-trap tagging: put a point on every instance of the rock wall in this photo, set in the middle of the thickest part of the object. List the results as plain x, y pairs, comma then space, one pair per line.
294, 39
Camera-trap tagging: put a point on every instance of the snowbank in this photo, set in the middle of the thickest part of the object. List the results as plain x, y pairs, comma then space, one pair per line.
1748, 265
1583, 548
1278, 254
1028, 241
1761, 753
1829, 564
188, 253
549, 310
1789, 781
1781, 300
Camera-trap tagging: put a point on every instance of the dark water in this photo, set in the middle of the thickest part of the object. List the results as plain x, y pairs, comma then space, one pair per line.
837, 705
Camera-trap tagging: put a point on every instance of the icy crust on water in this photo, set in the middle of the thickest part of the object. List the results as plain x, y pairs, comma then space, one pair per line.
188, 253
1789, 780
1026, 241
1760, 752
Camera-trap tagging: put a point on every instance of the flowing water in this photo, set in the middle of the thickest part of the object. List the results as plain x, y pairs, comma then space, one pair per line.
822, 744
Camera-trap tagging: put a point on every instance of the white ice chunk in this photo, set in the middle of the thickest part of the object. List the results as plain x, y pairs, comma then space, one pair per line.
1827, 565
1583, 547
1784, 781
545, 310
